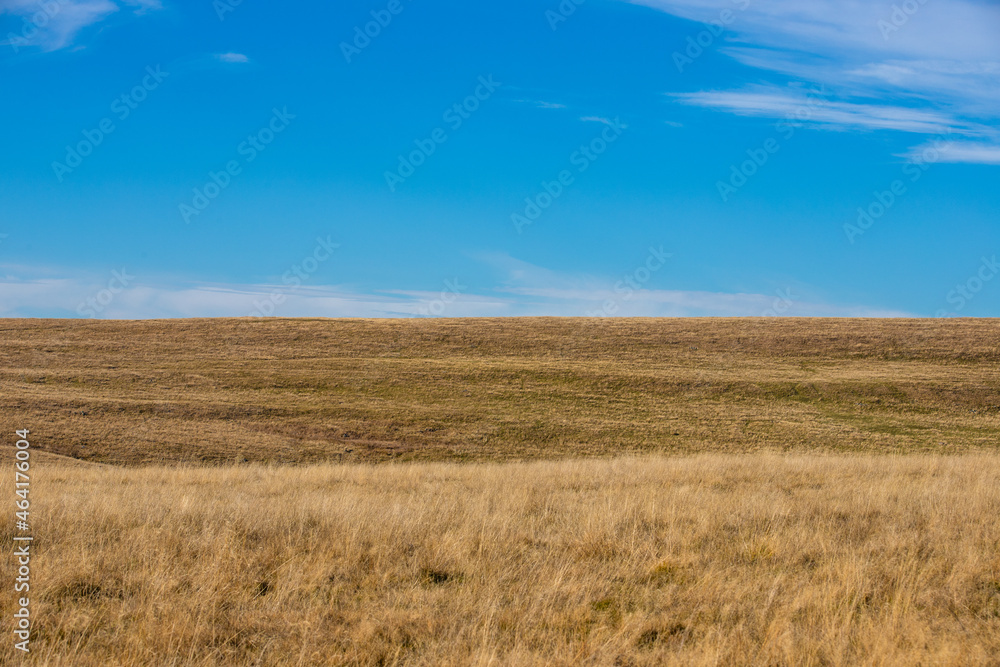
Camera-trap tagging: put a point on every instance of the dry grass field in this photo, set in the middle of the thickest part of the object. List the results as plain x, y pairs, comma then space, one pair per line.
703, 560
294, 391
506, 492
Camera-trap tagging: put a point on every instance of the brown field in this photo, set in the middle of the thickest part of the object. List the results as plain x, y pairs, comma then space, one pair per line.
704, 560
506, 492
294, 391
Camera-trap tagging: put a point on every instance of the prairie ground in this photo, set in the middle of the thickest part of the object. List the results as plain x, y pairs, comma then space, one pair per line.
507, 492
706, 560
297, 391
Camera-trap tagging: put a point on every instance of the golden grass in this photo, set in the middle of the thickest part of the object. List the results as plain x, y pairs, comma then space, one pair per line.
705, 560
298, 391
784, 541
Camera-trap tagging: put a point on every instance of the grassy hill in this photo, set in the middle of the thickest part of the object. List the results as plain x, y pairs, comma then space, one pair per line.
789, 538
298, 390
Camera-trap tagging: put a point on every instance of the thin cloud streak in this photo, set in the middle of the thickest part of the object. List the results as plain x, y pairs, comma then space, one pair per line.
771, 103
962, 153
678, 303
943, 59
525, 290
232, 57
56, 24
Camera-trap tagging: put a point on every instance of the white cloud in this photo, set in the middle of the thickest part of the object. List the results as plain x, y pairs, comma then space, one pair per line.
141, 300
680, 303
886, 69
540, 104
537, 291
55, 25
960, 152
565, 294
959, 30
525, 290
232, 57
775, 102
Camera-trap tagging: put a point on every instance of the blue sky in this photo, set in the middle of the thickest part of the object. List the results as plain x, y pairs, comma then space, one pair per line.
654, 158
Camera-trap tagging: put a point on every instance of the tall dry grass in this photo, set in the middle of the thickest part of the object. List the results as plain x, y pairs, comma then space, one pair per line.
710, 560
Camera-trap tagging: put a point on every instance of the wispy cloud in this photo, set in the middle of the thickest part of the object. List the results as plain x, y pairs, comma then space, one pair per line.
542, 290
55, 25
522, 289
597, 119
541, 104
957, 30
681, 303
775, 102
962, 152
914, 71
232, 57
